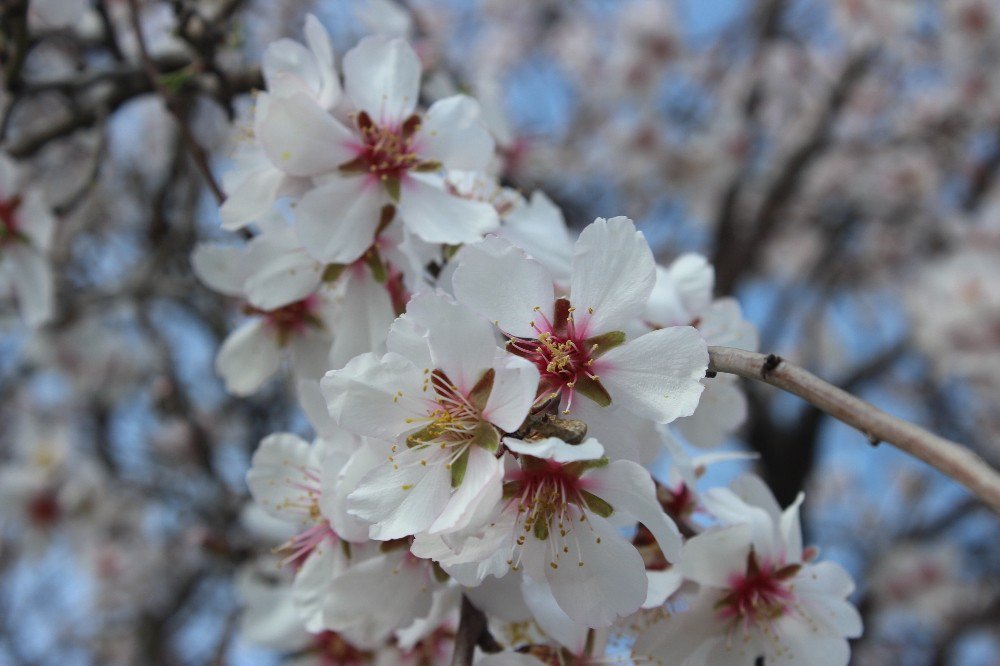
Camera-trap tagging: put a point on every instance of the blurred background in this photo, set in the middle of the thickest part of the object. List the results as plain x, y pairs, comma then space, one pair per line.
837, 160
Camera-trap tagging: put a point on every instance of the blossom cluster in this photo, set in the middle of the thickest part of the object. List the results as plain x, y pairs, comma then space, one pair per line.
488, 396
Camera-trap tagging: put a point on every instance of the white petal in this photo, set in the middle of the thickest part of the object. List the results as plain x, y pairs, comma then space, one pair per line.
252, 199
721, 410
662, 584
540, 230
481, 486
279, 471
437, 216
282, 279
514, 388
556, 450
611, 581
497, 280
310, 352
629, 488
247, 358
730, 509
312, 583
461, 343
376, 397
711, 557
363, 317
33, 282
36, 220
222, 268
302, 139
556, 624
409, 339
613, 274
382, 77
337, 220
453, 134
657, 375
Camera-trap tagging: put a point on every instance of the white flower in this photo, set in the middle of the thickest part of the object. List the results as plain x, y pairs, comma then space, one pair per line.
26, 229
559, 520
301, 484
446, 392
758, 596
385, 163
302, 325
579, 343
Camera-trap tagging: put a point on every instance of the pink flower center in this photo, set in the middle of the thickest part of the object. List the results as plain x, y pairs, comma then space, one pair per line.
387, 152
332, 649
292, 319
43, 509
759, 596
563, 355
9, 222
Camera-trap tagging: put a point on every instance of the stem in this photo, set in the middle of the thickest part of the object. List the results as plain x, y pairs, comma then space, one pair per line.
472, 631
950, 458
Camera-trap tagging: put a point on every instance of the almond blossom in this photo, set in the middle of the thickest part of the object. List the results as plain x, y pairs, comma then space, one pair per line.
441, 398
581, 342
26, 229
760, 593
387, 160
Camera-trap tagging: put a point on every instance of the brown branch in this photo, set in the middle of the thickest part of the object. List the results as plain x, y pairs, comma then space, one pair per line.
950, 458
472, 631
195, 149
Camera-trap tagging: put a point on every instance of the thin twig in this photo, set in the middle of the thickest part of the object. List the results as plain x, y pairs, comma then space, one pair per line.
472, 631
951, 458
195, 149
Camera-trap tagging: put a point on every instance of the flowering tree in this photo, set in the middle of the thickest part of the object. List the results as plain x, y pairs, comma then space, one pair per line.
343, 347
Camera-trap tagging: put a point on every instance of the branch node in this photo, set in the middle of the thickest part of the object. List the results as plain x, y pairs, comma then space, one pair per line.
711, 374
771, 363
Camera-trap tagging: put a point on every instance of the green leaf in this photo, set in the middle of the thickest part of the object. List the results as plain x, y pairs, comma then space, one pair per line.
605, 342
480, 393
592, 389
597, 505
458, 469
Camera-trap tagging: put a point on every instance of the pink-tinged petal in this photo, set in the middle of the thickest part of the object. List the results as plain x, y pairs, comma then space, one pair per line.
482, 486
657, 375
248, 358
311, 586
556, 624
514, 387
602, 576
33, 284
337, 220
825, 578
452, 133
382, 77
462, 344
838, 616
403, 497
222, 268
302, 139
280, 477
376, 397
497, 280
364, 315
437, 216
712, 557
629, 488
613, 274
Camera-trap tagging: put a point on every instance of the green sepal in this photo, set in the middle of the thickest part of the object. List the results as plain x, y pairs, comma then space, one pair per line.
578, 467
358, 165
541, 528
421, 437
596, 504
458, 469
374, 261
591, 388
439, 574
480, 393
392, 187
605, 342
486, 436
428, 166
385, 218
333, 271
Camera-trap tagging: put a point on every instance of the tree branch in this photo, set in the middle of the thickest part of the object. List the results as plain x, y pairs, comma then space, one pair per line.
472, 631
952, 459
